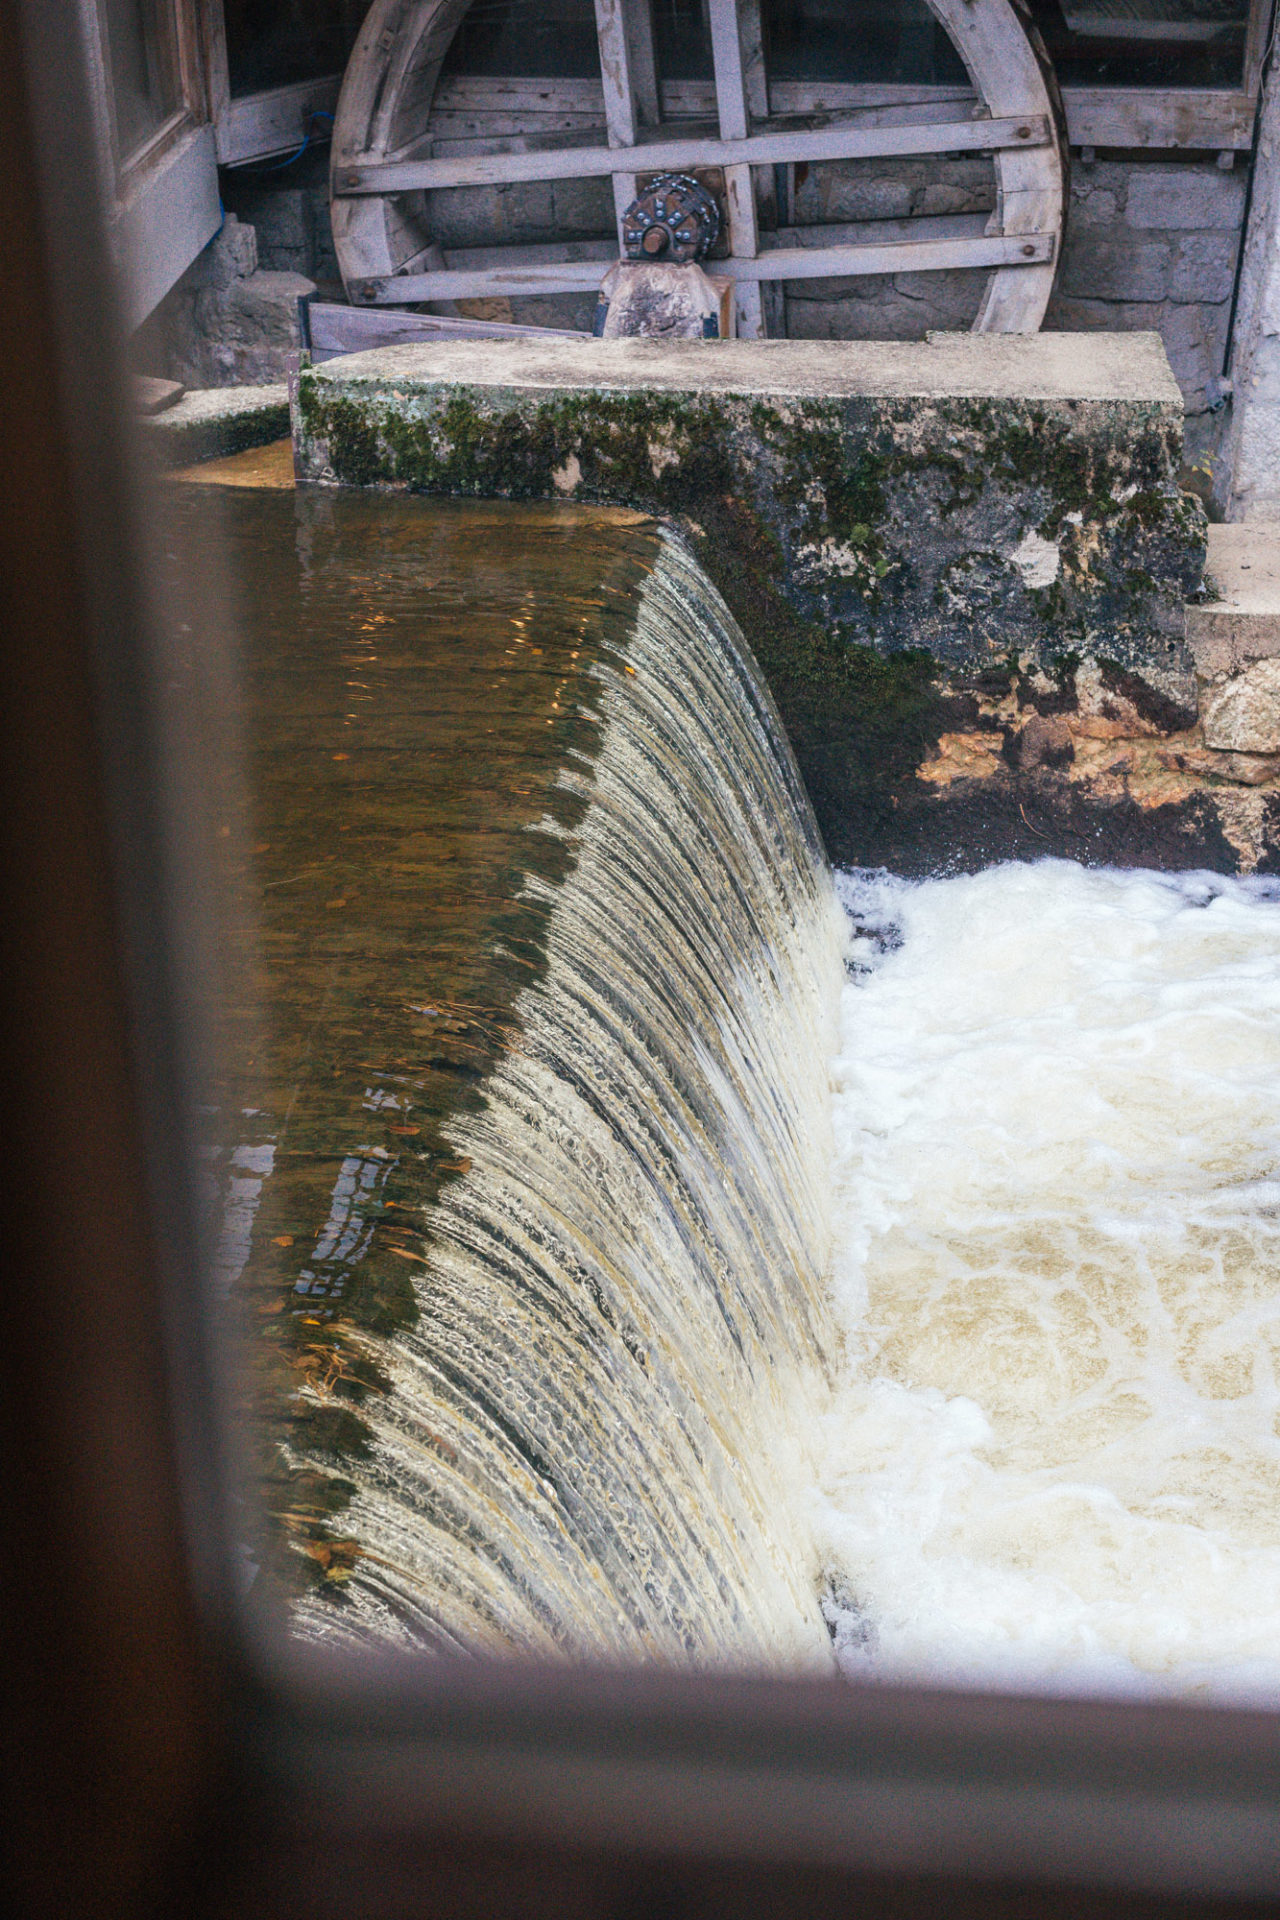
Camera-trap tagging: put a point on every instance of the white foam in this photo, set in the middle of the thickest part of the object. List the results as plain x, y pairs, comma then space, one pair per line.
1054, 1457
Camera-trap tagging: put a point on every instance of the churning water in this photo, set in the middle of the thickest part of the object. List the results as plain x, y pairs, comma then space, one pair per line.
1054, 1456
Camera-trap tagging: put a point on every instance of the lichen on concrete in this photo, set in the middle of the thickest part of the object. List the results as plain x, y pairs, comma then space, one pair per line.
885, 521
212, 422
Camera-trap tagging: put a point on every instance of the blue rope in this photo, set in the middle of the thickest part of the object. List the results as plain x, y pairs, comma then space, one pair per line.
288, 161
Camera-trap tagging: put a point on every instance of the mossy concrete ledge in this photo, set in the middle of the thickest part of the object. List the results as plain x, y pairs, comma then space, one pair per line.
885, 519
212, 422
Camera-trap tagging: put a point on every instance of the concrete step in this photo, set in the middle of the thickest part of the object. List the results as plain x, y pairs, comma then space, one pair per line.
1243, 623
1235, 641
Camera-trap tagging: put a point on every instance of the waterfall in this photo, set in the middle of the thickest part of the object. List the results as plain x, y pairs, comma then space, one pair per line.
585, 1443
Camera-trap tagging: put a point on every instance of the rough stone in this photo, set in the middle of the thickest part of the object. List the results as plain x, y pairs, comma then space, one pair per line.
891, 524
1186, 197
1203, 267
1194, 355
1091, 206
583, 207
242, 335
1194, 337
1243, 623
208, 424
945, 196
880, 308
1245, 769
1243, 714
873, 190
1045, 741
836, 197
230, 255
1116, 269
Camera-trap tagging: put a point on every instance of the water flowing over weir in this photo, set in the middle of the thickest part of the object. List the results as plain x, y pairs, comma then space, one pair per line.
564, 1419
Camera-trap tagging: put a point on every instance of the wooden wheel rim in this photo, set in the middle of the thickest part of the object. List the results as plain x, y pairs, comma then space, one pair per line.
385, 105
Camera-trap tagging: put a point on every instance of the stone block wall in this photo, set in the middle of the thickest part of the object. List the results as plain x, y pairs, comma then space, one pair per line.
963, 565
1153, 245
1150, 245
229, 321
900, 306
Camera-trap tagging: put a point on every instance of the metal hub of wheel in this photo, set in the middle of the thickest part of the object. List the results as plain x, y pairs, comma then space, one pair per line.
384, 168
674, 219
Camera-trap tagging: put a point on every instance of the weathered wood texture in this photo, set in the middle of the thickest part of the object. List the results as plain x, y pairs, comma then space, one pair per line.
781, 263
842, 142
385, 157
335, 329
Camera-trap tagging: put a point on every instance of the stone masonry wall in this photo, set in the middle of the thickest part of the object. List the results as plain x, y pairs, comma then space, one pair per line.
228, 322
1150, 245
962, 565
1153, 245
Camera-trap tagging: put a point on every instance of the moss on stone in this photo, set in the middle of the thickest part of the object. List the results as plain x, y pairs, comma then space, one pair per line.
863, 543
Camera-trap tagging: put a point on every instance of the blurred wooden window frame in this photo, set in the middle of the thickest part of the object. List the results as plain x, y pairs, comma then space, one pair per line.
160, 1758
162, 192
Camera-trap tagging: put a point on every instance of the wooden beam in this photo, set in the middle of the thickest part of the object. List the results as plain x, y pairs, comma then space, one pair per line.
781, 263
819, 143
1256, 42
336, 329
1159, 118
683, 99
275, 121
1156, 117
628, 74
211, 15
735, 125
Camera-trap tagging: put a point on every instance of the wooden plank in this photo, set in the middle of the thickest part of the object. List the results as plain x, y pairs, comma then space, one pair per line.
1194, 117
629, 84
781, 263
449, 131
735, 125
819, 143
1256, 43
486, 93
1205, 117
453, 133
682, 99
530, 254
276, 121
1005, 69
336, 329
1147, 21
836, 96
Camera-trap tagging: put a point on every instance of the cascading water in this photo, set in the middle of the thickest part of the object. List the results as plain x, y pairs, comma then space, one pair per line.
565, 1337
525, 1188
588, 1435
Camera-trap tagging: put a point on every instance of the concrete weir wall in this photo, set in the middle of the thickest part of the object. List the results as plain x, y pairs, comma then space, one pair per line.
963, 563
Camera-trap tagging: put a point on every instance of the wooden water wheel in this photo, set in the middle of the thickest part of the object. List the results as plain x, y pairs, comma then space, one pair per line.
384, 170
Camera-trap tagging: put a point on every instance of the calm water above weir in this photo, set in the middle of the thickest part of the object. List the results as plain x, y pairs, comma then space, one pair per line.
590, 1309
522, 1162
